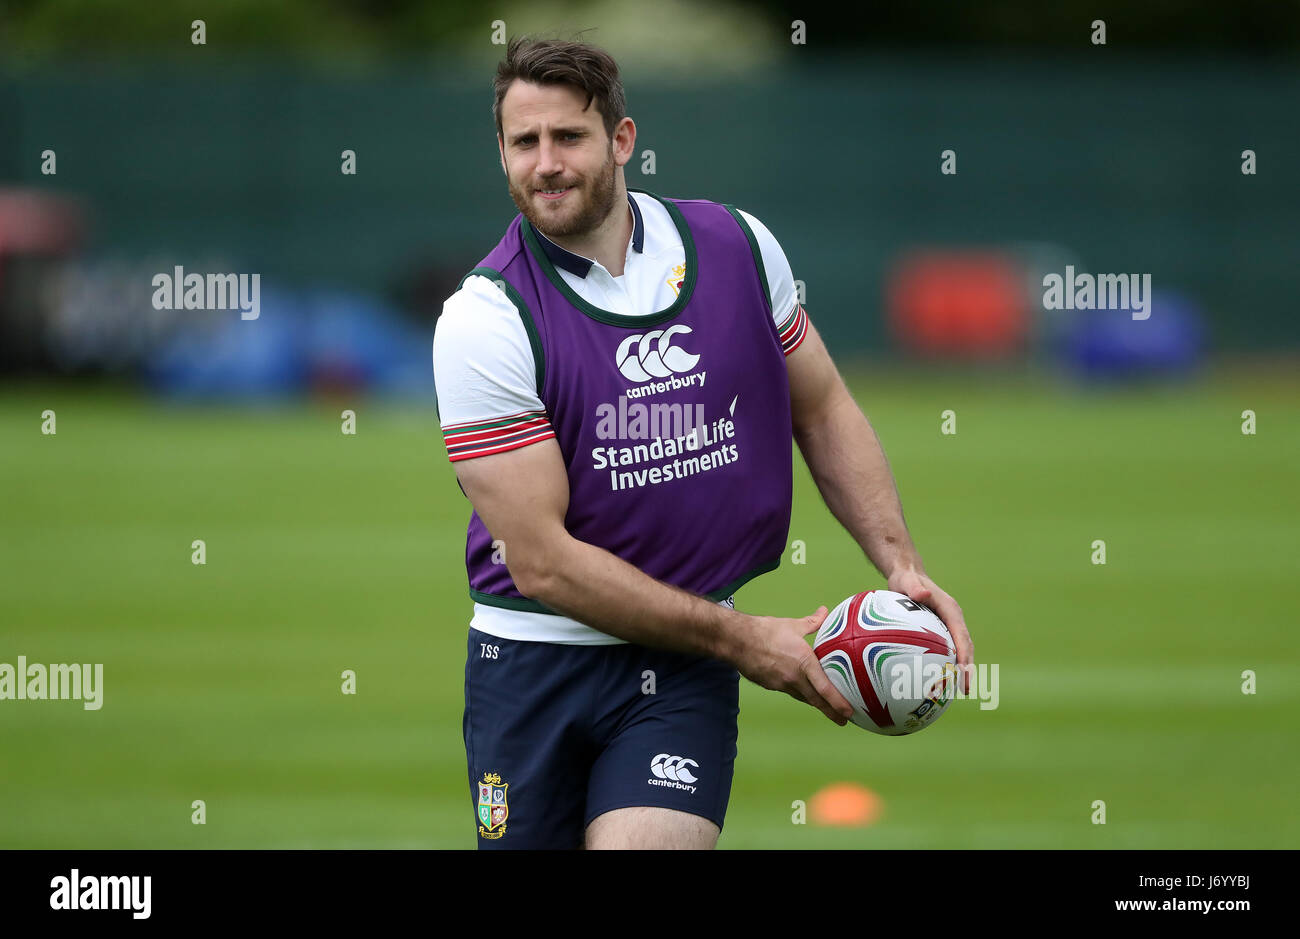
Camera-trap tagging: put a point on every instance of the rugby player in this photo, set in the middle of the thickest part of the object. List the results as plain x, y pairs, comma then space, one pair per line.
618, 382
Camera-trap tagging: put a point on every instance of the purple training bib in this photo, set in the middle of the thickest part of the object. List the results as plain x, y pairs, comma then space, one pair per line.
675, 427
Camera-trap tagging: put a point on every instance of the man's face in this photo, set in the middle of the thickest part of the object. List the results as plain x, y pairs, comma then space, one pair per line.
549, 142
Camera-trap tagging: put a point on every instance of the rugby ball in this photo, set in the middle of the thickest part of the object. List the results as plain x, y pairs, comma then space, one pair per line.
892, 658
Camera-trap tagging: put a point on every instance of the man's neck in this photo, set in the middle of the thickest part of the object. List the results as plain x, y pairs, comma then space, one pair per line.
608, 242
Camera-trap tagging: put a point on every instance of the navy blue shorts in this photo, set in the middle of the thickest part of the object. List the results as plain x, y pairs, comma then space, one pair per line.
556, 735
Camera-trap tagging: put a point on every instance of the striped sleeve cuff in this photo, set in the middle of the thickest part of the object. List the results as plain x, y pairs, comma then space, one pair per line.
497, 435
794, 329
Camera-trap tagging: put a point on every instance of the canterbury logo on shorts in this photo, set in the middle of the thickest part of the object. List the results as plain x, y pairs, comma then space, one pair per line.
675, 768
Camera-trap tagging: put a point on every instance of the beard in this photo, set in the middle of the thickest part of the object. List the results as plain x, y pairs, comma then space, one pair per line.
590, 202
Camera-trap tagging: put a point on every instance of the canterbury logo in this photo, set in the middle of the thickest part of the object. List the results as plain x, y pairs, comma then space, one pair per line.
643, 357
673, 767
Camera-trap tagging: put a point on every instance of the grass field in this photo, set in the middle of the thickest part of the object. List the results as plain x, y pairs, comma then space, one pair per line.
1119, 682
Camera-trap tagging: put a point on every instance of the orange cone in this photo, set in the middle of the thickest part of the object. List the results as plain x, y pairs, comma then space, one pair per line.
845, 804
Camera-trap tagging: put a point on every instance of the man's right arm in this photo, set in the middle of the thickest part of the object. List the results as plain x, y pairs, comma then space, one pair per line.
522, 496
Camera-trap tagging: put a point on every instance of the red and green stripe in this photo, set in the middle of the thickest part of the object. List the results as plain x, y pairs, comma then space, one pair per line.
794, 329
482, 438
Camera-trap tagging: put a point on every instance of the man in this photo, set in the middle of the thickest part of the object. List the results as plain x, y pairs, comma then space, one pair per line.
618, 383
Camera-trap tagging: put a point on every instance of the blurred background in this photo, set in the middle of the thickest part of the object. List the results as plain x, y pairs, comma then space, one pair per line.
127, 149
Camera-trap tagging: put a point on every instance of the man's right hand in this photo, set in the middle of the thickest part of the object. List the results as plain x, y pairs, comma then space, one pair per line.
773, 653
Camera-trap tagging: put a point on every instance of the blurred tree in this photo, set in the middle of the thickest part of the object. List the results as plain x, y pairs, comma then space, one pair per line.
692, 33
1032, 26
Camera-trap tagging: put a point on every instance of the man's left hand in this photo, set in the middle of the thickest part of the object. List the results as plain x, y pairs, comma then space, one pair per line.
922, 589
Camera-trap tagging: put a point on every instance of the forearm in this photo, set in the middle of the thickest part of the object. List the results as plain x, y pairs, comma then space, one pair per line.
849, 467
605, 592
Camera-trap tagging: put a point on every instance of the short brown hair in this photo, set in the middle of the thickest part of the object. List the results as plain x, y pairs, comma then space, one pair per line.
561, 62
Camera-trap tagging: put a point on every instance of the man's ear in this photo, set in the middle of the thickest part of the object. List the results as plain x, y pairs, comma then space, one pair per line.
501, 152
624, 133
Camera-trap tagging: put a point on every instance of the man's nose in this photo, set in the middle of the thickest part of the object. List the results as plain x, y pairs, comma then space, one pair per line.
548, 159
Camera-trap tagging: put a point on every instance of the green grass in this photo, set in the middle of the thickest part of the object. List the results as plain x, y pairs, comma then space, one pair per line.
326, 552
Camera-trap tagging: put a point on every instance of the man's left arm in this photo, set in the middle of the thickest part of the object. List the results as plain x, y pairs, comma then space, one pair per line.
849, 466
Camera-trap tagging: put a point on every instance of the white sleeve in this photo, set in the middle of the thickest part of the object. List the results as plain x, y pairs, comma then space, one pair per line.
789, 316
484, 374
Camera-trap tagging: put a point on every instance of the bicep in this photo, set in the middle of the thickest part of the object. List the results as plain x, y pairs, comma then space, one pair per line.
814, 380
521, 495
